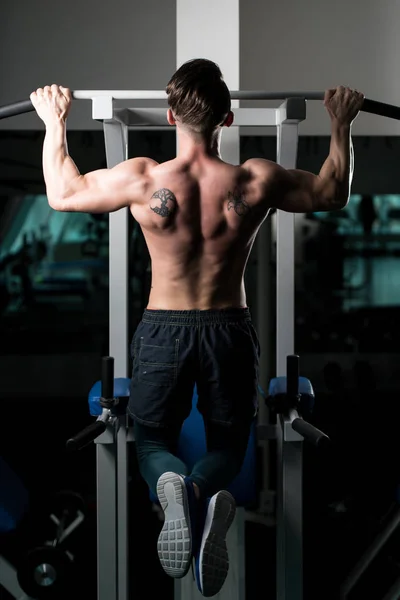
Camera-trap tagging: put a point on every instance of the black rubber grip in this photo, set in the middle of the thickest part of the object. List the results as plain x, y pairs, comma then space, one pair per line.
87, 435
107, 378
310, 433
380, 108
372, 107
18, 108
292, 376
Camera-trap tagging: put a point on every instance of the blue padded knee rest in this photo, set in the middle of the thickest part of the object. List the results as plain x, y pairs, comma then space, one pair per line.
192, 446
121, 390
277, 387
14, 500
192, 443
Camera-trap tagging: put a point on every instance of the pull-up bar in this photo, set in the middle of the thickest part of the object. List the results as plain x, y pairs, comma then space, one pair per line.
369, 106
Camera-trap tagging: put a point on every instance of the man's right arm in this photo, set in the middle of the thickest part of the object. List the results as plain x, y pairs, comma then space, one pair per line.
297, 191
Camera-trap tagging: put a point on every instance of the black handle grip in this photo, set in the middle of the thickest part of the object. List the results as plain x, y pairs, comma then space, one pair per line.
107, 378
381, 108
87, 435
310, 433
292, 376
372, 107
18, 108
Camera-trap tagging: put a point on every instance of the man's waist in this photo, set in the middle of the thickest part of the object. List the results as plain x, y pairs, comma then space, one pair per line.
197, 316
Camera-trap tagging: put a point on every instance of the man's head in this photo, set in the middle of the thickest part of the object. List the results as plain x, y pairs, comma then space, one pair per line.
198, 97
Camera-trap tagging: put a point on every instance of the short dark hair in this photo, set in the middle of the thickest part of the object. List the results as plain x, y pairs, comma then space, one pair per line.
198, 95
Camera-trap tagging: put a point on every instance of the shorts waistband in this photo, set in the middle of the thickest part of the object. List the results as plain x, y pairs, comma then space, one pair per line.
197, 317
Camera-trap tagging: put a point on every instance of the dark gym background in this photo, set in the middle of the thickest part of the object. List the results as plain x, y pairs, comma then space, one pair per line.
54, 330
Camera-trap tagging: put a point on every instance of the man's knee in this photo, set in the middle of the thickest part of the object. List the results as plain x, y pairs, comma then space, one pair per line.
236, 437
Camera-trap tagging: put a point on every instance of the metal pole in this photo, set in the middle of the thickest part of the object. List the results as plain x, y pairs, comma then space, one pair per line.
106, 489
116, 144
289, 544
287, 141
370, 106
116, 139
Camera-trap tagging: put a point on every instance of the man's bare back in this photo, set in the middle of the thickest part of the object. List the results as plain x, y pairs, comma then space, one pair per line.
199, 215
199, 220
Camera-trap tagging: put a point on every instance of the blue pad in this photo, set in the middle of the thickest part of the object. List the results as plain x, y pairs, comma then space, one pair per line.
13, 498
277, 387
121, 390
192, 446
192, 443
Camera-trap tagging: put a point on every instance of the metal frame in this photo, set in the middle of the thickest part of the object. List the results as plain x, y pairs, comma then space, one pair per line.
289, 493
112, 467
161, 95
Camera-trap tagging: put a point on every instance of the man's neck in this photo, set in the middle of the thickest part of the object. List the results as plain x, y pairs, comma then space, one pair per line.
191, 144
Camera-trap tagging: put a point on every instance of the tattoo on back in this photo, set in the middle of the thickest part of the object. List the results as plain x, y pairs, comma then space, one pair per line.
238, 203
167, 202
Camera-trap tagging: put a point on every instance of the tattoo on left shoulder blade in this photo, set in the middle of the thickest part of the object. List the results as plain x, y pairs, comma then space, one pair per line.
163, 202
238, 203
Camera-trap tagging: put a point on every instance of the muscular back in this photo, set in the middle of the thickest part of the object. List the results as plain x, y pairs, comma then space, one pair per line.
199, 215
200, 219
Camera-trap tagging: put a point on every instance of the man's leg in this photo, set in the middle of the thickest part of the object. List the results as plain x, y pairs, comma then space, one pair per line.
156, 451
165, 473
227, 386
161, 397
161, 391
226, 449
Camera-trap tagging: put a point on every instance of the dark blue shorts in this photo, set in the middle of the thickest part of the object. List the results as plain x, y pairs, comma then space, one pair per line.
172, 351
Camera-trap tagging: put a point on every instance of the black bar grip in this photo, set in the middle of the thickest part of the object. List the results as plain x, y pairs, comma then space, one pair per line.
18, 108
107, 378
372, 107
87, 435
292, 376
310, 433
381, 108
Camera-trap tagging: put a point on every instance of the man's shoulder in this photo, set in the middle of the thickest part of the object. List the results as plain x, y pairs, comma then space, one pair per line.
140, 165
260, 166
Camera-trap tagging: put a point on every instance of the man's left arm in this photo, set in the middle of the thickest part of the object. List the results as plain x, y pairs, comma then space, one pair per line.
101, 191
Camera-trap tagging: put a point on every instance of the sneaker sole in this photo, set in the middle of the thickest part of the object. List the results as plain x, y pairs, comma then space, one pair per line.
213, 557
174, 544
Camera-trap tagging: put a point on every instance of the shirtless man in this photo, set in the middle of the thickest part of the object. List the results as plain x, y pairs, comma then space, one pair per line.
200, 217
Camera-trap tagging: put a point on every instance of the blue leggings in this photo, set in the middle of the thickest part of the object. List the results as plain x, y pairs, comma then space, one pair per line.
156, 449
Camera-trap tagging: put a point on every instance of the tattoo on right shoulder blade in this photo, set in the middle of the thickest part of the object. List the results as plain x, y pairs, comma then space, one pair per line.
238, 203
167, 202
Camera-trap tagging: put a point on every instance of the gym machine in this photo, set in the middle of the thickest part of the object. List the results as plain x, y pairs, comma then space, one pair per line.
113, 426
288, 397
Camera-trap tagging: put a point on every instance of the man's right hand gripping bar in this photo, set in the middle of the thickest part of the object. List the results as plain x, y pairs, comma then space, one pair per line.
289, 395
